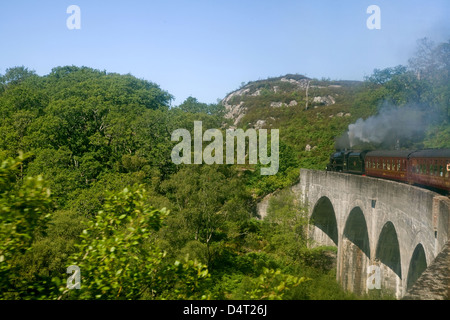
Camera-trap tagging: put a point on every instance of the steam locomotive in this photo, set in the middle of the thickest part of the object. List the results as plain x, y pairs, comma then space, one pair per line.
428, 168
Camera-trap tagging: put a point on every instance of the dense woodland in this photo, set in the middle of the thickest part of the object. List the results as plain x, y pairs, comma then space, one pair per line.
86, 179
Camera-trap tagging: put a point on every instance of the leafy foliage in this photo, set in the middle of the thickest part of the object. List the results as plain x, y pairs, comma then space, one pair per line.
24, 213
101, 142
119, 259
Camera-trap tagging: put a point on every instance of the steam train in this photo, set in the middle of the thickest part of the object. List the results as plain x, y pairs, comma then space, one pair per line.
428, 168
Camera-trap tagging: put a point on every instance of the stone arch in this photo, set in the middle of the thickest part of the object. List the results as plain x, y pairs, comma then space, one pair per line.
356, 230
388, 256
388, 249
323, 218
417, 265
355, 252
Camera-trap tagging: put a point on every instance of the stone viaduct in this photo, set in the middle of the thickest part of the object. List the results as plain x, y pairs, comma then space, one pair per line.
386, 233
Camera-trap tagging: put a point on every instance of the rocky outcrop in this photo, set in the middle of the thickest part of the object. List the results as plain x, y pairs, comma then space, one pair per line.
325, 100
303, 83
263, 205
309, 148
341, 114
260, 124
276, 104
235, 111
287, 91
282, 104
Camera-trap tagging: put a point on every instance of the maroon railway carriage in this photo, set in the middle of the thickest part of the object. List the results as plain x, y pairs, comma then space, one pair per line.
426, 168
388, 164
430, 168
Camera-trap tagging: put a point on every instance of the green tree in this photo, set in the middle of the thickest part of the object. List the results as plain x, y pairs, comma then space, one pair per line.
119, 259
25, 208
205, 196
285, 226
15, 75
192, 105
381, 76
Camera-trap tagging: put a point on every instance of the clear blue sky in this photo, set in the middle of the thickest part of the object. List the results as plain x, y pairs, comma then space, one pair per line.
207, 48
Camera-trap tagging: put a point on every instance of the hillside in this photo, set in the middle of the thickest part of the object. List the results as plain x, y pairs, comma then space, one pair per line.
309, 113
297, 92
398, 107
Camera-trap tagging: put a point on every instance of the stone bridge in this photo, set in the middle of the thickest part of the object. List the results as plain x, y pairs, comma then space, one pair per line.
386, 233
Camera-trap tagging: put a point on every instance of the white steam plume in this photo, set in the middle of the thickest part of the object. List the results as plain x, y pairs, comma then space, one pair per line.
390, 125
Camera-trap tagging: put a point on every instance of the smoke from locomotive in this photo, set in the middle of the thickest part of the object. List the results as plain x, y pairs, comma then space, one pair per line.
385, 129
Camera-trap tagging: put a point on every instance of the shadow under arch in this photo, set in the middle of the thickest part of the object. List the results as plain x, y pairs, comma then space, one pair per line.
388, 249
324, 218
356, 230
355, 253
417, 265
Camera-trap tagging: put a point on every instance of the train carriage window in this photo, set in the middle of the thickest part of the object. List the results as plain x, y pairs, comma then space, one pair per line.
435, 168
378, 163
388, 164
448, 169
441, 170
393, 165
373, 164
398, 165
384, 165
431, 169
